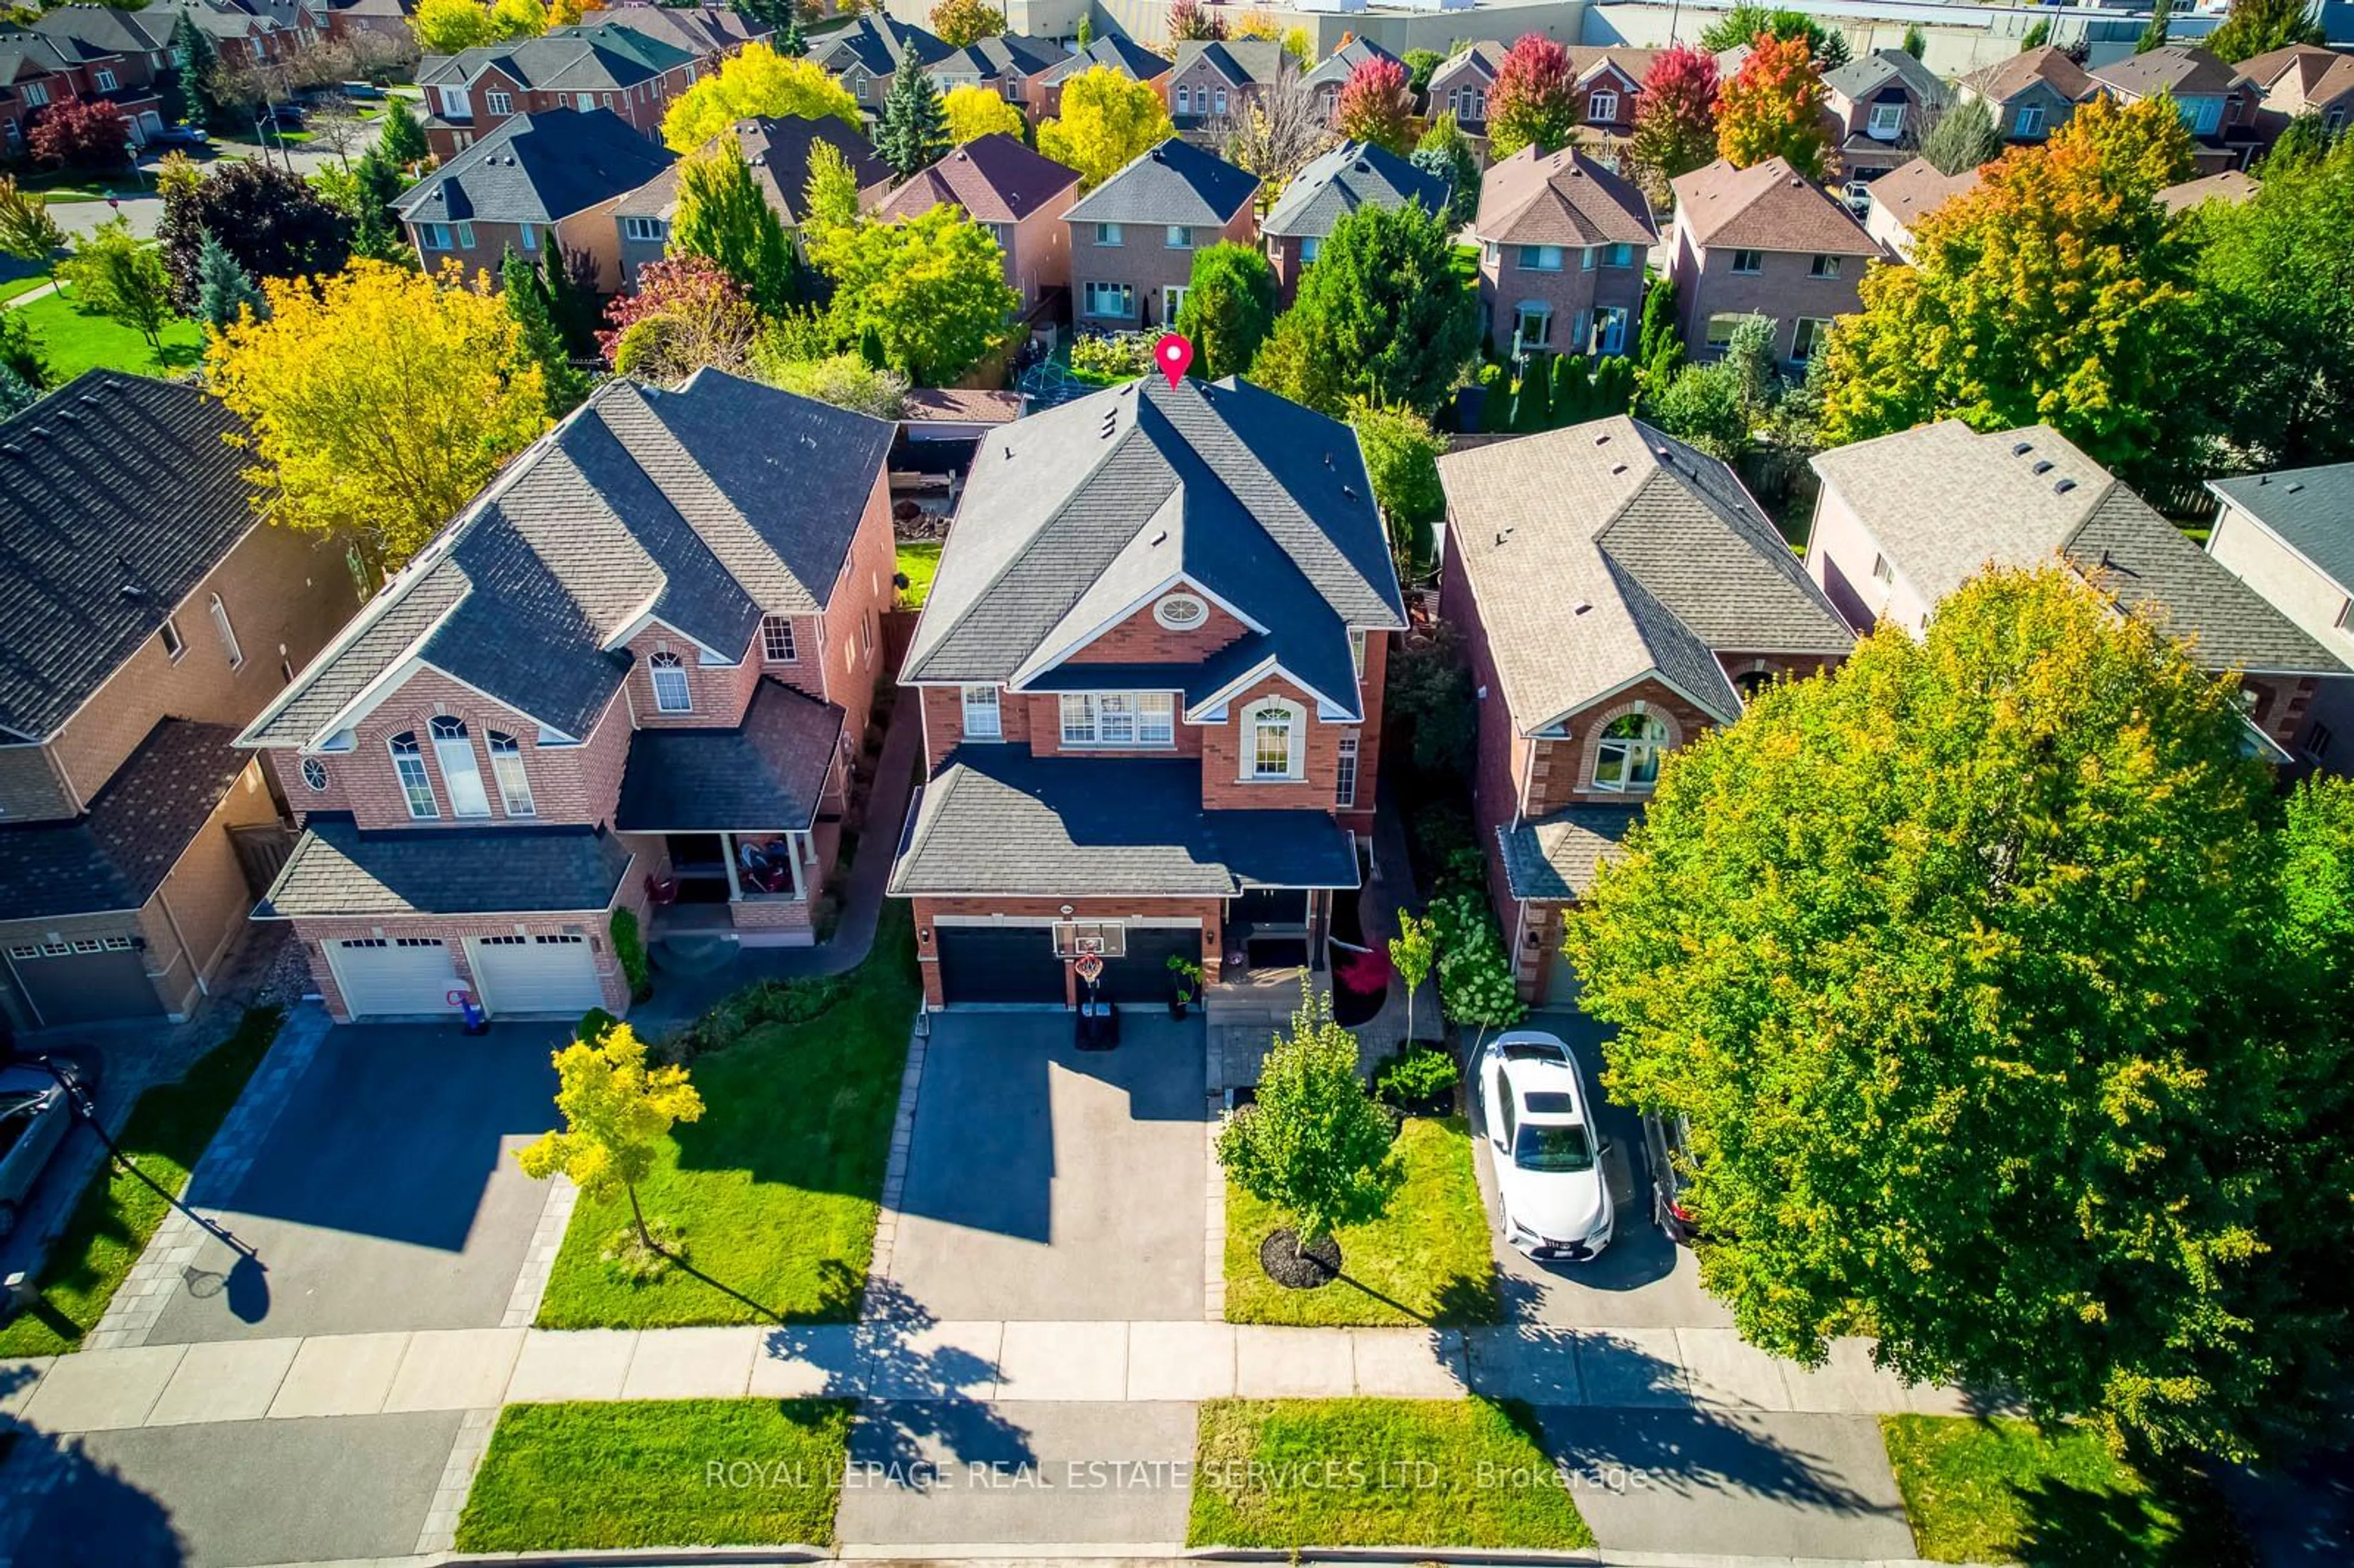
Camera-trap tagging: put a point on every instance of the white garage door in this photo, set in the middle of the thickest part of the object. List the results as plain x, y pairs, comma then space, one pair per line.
389, 976
536, 974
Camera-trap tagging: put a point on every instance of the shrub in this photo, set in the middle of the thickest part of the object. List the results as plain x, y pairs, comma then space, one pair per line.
1475, 976
1119, 354
1417, 1077
596, 1020
630, 948
762, 1002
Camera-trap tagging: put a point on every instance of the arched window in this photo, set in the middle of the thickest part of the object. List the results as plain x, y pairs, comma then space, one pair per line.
515, 784
672, 695
1753, 682
1628, 756
455, 752
1273, 741
415, 784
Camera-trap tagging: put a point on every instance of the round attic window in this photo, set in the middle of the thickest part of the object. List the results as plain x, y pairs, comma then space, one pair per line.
314, 773
1181, 612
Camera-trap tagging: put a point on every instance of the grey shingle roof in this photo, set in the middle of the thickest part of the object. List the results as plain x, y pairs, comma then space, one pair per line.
765, 775
95, 32
1605, 552
1339, 182
878, 42
115, 854
777, 152
1943, 500
1860, 78
538, 168
1175, 182
1557, 857
1006, 54
996, 820
1072, 516
1335, 68
2311, 510
337, 870
588, 57
117, 495
712, 504
1243, 61
1116, 50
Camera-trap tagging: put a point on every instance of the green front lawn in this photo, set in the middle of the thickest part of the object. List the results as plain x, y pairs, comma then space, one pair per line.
74, 343
686, 1472
1425, 1261
920, 562
2009, 1491
15, 286
775, 1190
1293, 1473
164, 1137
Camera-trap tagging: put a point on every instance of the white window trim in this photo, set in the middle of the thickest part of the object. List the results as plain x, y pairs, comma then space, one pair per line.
769, 626
643, 229
228, 633
416, 789
1111, 234
1344, 774
461, 771
1085, 732
514, 778
1295, 741
984, 712
1741, 271
669, 662
2029, 122
1601, 107
1629, 748
175, 646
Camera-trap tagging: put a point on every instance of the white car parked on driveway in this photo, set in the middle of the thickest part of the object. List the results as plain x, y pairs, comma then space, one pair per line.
1547, 1147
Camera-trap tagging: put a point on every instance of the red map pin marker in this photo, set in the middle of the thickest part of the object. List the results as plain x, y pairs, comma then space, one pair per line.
1172, 354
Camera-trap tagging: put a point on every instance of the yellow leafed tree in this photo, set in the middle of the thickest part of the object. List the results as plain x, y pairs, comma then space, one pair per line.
446, 26
1108, 119
378, 401
975, 112
570, 13
755, 80
617, 1110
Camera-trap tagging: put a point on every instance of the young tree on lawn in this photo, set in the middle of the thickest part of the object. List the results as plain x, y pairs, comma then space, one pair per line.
755, 80
1313, 1145
28, 232
273, 224
1382, 307
1659, 341
686, 314
958, 22
1190, 21
829, 201
1107, 121
121, 277
1377, 106
1962, 137
373, 185
1411, 952
525, 293
1772, 108
617, 1112
1675, 119
1402, 455
1228, 310
223, 290
2053, 292
335, 126
87, 134
379, 399
724, 217
2258, 26
912, 131
448, 27
1446, 152
402, 138
1534, 100
975, 112
930, 293
2005, 898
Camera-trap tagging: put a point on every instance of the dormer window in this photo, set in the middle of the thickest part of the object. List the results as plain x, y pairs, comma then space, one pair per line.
1628, 756
1181, 612
671, 693
1275, 739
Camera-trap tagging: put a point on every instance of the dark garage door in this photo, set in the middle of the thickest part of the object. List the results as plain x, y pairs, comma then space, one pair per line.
1142, 978
999, 964
84, 980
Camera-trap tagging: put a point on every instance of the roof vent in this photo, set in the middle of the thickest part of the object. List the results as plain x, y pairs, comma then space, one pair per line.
2042, 465
1603, 440
1350, 491
42, 431
2020, 449
1158, 157
1162, 537
2064, 487
1617, 468
1580, 607
132, 593
2297, 486
1666, 451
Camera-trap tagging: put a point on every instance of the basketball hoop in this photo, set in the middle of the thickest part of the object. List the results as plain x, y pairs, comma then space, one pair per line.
1090, 968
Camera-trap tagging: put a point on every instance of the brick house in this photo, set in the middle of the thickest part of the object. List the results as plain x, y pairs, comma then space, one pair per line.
709, 33
610, 67
553, 177
2289, 536
1150, 670
1762, 241
386, 19
1115, 52
1020, 195
1460, 85
1904, 196
1875, 110
1332, 73
35, 72
2031, 94
1134, 237
2303, 79
1563, 241
874, 49
1009, 65
1619, 593
1904, 520
1610, 87
123, 57
148, 613
630, 676
245, 32
777, 150
1331, 186
1213, 81
2218, 104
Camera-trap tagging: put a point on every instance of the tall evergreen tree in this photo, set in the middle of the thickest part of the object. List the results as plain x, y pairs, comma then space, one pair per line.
793, 45
193, 59
403, 139
913, 129
1446, 152
527, 297
572, 302
222, 288
2161, 17
724, 217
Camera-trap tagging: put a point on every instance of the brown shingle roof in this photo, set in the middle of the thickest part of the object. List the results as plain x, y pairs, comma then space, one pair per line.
2232, 187
994, 177
1565, 198
1910, 191
2005, 79
2314, 75
2174, 67
1767, 206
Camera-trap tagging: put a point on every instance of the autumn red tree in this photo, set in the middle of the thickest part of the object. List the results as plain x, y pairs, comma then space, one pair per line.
1377, 105
1534, 100
1675, 120
1774, 107
1190, 21
82, 133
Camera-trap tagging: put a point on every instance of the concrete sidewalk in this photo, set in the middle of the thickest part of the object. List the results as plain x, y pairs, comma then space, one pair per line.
978, 1362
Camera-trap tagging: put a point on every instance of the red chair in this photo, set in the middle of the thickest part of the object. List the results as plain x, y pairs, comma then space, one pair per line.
661, 892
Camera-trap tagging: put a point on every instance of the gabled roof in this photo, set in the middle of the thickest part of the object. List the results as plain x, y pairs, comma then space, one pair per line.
1006, 54
604, 57
994, 178
880, 43
1337, 183
703, 508
2305, 74
1588, 61
1336, 68
118, 495
538, 168
2232, 187
1604, 553
95, 32
1075, 516
1175, 182
1910, 192
512, 869
1243, 61
1115, 51
2181, 70
27, 55
777, 152
1767, 206
116, 854
1859, 78
1480, 58
1943, 500
1560, 198
697, 29
2311, 510
2005, 79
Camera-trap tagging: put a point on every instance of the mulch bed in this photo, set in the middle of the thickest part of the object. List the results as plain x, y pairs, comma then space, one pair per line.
1297, 1269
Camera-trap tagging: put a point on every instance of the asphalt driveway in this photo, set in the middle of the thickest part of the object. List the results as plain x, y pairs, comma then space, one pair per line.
1049, 1184
385, 1196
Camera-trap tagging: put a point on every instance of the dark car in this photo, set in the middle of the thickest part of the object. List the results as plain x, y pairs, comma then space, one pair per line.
286, 117
179, 136
35, 1114
1664, 1144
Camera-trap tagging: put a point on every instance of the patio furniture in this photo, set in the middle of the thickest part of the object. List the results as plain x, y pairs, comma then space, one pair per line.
661, 892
